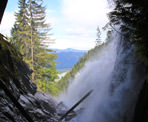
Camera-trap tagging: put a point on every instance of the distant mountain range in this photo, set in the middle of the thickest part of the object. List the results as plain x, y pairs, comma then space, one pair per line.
67, 58
69, 50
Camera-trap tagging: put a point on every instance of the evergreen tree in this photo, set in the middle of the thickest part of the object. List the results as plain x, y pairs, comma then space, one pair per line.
98, 40
98, 33
133, 17
19, 32
30, 36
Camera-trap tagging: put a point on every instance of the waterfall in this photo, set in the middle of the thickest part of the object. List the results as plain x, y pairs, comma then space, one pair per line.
116, 76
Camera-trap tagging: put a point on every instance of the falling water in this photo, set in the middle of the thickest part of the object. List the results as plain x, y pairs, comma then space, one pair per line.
114, 78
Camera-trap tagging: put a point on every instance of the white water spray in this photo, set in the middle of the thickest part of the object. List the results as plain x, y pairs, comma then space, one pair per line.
114, 78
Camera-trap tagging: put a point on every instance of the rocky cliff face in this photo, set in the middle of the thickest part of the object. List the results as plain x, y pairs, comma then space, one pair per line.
19, 99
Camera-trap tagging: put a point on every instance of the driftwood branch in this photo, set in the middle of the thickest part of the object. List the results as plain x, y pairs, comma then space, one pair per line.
75, 105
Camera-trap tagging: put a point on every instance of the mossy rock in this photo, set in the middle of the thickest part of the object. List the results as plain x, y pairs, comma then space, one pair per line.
13, 70
9, 58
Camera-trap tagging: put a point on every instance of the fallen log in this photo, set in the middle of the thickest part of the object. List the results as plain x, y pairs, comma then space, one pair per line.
75, 105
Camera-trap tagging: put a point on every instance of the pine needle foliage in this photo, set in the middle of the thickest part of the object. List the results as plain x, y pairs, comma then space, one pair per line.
30, 36
132, 15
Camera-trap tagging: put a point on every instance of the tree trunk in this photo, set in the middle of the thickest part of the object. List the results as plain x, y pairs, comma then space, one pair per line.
31, 39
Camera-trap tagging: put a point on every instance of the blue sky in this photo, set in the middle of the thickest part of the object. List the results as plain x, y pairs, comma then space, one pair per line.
74, 22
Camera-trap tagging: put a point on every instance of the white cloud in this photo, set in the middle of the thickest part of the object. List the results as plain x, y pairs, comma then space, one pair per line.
50, 19
80, 31
69, 43
49, 11
81, 20
86, 12
7, 23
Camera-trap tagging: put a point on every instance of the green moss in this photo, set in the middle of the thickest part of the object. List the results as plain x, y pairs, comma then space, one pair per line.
10, 62
9, 58
13, 70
